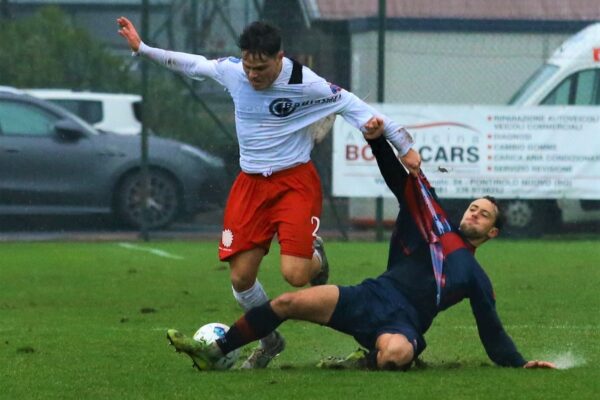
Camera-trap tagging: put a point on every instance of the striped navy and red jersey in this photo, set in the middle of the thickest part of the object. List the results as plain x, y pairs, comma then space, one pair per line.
411, 267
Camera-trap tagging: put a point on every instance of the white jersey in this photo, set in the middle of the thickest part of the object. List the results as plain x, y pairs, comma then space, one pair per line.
273, 124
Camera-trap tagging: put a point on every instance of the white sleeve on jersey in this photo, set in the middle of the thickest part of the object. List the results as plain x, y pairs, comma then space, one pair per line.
191, 65
354, 110
357, 113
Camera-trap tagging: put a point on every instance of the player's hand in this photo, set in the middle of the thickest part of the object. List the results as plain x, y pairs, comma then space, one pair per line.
127, 30
540, 364
373, 128
412, 161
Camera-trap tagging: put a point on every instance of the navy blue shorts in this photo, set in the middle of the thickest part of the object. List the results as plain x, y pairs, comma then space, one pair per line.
374, 307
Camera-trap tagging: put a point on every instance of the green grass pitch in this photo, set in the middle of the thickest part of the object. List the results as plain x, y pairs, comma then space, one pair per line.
88, 321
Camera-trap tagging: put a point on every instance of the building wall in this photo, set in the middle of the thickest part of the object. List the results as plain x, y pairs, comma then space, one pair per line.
449, 67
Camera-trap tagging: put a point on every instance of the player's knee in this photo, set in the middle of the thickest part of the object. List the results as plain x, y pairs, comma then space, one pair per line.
393, 359
284, 304
297, 273
244, 268
241, 281
297, 279
396, 353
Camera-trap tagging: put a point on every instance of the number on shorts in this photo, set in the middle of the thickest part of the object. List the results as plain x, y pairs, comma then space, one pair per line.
317, 222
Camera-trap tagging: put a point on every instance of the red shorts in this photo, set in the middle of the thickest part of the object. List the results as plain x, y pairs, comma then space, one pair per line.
287, 203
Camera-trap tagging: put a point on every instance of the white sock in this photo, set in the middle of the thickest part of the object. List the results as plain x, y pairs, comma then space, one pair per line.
250, 298
254, 297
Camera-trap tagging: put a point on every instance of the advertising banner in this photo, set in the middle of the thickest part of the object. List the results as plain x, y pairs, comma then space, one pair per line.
544, 152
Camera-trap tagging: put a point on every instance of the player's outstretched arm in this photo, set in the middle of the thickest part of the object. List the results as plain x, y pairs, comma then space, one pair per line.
191, 65
392, 171
539, 364
128, 31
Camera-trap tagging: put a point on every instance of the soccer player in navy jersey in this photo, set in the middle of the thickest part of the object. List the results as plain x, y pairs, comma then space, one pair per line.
431, 266
277, 103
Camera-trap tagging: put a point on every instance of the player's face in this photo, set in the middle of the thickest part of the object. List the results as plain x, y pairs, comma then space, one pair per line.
478, 221
260, 69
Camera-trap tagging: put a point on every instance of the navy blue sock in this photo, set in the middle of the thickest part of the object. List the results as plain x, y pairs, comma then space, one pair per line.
255, 324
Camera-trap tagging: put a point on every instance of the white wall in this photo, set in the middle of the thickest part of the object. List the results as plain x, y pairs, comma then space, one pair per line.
447, 67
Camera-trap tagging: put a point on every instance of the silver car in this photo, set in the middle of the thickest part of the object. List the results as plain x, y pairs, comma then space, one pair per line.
52, 162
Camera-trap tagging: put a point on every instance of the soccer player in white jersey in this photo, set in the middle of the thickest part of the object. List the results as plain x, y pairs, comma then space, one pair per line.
278, 191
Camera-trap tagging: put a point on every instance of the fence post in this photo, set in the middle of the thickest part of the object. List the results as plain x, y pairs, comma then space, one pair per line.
380, 99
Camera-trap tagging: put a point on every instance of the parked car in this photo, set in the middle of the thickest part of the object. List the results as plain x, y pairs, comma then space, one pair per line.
112, 112
52, 162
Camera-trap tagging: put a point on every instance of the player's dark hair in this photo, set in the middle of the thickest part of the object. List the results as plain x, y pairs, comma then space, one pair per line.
499, 222
261, 39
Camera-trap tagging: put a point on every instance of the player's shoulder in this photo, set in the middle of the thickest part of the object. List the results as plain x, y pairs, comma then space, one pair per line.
310, 76
317, 85
230, 70
229, 60
229, 64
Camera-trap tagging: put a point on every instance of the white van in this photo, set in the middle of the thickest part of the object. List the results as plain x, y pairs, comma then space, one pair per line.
112, 112
571, 76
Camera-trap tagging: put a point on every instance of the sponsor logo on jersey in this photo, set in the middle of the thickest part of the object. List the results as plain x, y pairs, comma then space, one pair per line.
282, 107
334, 88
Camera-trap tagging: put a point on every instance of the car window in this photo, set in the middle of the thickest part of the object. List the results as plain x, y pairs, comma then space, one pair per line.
17, 118
539, 77
582, 88
560, 95
89, 110
587, 88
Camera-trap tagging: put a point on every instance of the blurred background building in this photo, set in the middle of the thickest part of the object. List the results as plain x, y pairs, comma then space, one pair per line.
436, 51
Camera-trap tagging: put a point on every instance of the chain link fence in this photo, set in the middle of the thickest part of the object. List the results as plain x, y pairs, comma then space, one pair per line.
464, 56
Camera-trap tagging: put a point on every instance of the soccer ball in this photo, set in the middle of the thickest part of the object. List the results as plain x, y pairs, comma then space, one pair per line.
209, 333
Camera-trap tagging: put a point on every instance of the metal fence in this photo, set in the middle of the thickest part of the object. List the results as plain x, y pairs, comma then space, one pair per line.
461, 57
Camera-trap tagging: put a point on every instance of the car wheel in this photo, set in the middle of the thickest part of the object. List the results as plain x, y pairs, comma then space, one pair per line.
529, 217
163, 201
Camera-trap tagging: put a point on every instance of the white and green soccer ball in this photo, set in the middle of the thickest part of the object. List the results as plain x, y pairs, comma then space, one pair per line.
209, 333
